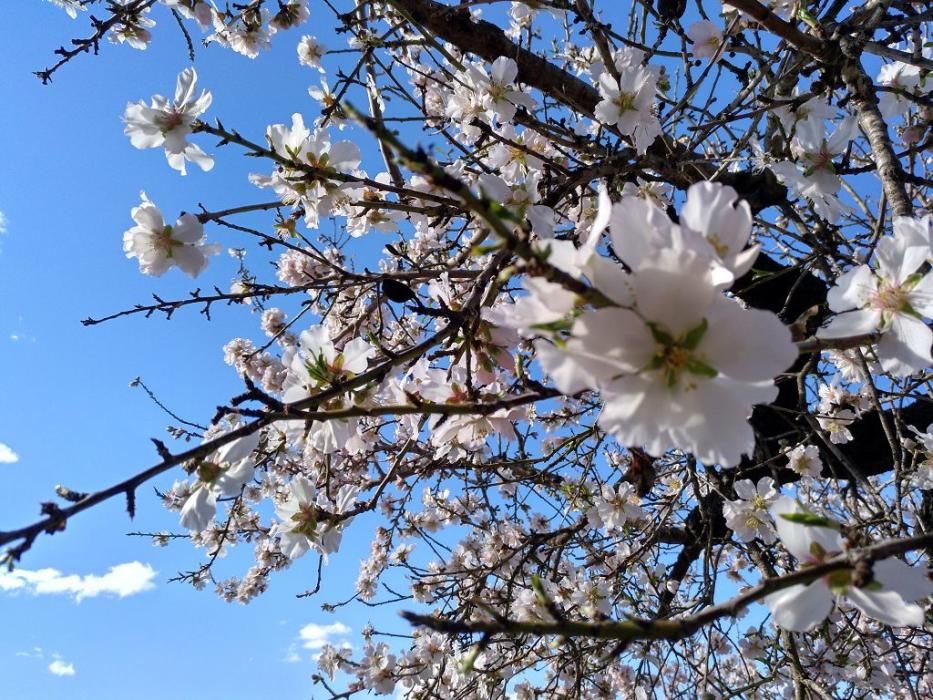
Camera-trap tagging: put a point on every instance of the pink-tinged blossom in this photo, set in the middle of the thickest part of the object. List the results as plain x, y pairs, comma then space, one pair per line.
167, 124
159, 246
706, 38
133, 29
813, 175
248, 36
628, 105
813, 540
892, 301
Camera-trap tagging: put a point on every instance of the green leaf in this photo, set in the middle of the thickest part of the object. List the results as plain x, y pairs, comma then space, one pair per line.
562, 324
485, 249
811, 520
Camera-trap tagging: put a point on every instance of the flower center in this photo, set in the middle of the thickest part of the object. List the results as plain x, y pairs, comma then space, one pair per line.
820, 161
722, 250
626, 102
305, 520
674, 356
163, 241
168, 121
208, 472
890, 297
496, 91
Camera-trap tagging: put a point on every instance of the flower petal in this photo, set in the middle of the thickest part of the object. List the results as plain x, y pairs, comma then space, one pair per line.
886, 606
800, 608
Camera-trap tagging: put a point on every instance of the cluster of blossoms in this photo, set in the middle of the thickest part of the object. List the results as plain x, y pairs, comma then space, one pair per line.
748, 516
307, 180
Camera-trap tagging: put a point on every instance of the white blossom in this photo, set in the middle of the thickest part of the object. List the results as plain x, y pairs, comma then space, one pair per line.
167, 124
159, 246
748, 516
805, 460
628, 104
891, 301
310, 52
706, 38
813, 539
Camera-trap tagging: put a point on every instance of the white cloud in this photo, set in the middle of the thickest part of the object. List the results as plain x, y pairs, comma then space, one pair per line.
2, 223
7, 455
122, 580
314, 636
60, 668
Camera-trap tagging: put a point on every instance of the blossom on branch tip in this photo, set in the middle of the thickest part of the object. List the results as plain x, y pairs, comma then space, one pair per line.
706, 38
220, 474
158, 246
133, 28
290, 14
70, 6
167, 124
310, 52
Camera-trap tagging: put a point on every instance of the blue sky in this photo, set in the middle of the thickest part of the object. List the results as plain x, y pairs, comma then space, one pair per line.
68, 181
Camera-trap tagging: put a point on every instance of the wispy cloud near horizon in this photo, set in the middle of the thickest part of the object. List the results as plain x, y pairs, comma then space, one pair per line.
122, 580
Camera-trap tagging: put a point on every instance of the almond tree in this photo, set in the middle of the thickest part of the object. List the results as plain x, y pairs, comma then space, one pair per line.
646, 352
